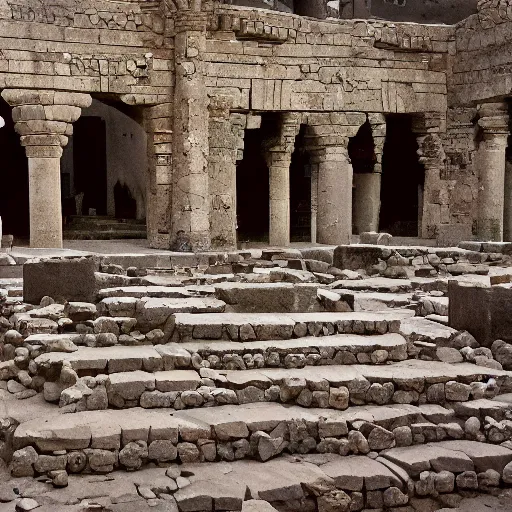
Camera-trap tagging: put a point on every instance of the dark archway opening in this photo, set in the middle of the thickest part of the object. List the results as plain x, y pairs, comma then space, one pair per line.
300, 191
90, 163
361, 150
14, 199
253, 191
104, 169
402, 179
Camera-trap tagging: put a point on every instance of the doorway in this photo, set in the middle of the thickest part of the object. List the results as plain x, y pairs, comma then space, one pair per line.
253, 190
14, 199
90, 163
300, 191
403, 179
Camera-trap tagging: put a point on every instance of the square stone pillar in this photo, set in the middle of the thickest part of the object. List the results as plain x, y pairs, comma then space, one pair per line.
226, 139
314, 203
490, 165
43, 119
507, 210
158, 127
190, 187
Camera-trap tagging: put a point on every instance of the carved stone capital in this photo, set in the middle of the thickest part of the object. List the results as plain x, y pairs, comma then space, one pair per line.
43, 119
494, 120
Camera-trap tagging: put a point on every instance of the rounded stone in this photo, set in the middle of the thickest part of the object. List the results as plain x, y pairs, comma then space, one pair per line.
472, 426
76, 462
507, 473
339, 398
132, 454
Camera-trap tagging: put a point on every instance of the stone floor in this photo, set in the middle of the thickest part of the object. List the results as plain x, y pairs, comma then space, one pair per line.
257, 380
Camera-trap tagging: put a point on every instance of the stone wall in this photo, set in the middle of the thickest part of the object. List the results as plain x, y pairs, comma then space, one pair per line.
170, 60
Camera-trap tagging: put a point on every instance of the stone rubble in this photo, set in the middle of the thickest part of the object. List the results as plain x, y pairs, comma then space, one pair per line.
374, 408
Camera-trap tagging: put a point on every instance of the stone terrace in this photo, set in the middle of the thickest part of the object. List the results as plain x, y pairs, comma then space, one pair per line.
304, 380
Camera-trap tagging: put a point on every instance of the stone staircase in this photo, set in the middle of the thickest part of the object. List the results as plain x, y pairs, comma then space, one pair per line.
104, 228
226, 393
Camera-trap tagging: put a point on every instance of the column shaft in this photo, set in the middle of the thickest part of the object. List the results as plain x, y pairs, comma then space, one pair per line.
507, 220
491, 167
335, 176
490, 164
45, 202
279, 171
367, 201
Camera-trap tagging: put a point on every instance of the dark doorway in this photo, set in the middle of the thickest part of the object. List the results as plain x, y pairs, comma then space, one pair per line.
300, 191
402, 179
14, 202
252, 189
90, 163
125, 204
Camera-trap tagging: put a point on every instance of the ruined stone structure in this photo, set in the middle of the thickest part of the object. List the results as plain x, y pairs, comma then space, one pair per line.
219, 88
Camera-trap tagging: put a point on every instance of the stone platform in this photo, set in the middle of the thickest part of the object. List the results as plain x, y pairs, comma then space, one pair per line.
256, 380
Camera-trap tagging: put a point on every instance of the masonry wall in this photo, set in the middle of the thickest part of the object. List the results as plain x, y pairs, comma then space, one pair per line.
270, 61
257, 61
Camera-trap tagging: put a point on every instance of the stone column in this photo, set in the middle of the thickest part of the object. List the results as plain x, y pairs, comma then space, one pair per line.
190, 192
507, 211
490, 164
279, 173
330, 135
226, 131
367, 187
335, 177
158, 124
43, 119
431, 155
279, 159
314, 203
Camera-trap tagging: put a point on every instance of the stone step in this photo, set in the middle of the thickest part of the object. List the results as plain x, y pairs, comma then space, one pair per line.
307, 351
269, 297
168, 292
132, 437
267, 326
375, 301
375, 284
433, 306
422, 329
340, 348
106, 234
337, 387
158, 313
